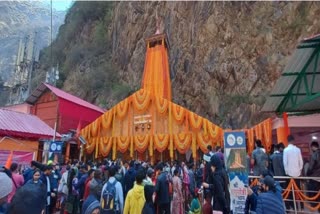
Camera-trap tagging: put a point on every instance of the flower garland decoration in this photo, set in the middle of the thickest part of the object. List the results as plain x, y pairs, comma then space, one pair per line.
213, 130
267, 130
141, 100
141, 142
123, 143
105, 146
162, 105
106, 120
182, 142
195, 121
203, 141
178, 113
122, 108
161, 142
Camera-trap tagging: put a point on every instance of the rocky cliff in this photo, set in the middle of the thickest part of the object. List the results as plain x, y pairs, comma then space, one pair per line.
27, 23
224, 56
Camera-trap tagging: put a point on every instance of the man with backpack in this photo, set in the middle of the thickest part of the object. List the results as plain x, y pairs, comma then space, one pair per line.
111, 201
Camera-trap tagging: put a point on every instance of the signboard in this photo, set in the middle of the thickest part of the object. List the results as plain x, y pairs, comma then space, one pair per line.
235, 159
56, 146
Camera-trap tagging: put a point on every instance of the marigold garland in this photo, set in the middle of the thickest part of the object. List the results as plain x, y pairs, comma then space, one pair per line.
178, 113
182, 142
162, 105
122, 108
161, 142
195, 121
194, 145
151, 146
141, 142
203, 141
123, 143
213, 130
141, 100
105, 146
106, 120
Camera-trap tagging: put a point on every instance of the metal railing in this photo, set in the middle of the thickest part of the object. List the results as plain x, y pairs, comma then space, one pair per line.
299, 205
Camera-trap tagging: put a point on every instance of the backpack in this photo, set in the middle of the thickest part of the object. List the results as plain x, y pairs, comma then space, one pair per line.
109, 203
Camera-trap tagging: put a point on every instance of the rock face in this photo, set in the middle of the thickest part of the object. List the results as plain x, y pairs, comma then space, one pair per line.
30, 23
224, 56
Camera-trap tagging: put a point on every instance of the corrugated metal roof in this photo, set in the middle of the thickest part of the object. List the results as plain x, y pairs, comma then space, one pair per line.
288, 81
23, 125
61, 94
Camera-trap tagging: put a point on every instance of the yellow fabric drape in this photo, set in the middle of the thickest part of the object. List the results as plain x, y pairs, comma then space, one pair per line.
182, 142
123, 143
178, 113
195, 121
194, 146
161, 142
141, 142
170, 132
122, 108
106, 119
114, 148
91, 144
105, 146
95, 127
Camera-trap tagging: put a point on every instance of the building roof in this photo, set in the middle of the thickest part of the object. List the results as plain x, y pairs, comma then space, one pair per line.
17, 124
61, 94
298, 88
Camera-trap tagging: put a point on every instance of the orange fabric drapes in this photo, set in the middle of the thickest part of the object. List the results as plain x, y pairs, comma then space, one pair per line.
123, 143
263, 132
105, 146
161, 105
106, 119
203, 141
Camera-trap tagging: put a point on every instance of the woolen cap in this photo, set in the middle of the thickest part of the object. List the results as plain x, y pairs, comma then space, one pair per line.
5, 185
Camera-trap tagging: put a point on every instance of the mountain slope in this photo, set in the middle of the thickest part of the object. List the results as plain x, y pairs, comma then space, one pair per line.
224, 56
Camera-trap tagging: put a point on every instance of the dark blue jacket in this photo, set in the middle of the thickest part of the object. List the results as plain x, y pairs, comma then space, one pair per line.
81, 185
28, 175
162, 189
128, 180
268, 202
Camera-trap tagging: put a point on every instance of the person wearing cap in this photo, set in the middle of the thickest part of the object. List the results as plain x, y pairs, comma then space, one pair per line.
218, 186
268, 201
5, 189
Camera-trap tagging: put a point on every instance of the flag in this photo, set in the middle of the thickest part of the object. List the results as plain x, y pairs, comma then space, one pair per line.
78, 134
9, 161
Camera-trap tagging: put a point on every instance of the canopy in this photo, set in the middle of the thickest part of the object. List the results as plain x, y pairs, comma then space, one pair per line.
298, 88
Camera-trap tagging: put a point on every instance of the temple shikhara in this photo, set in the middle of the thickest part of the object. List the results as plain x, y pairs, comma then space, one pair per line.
147, 125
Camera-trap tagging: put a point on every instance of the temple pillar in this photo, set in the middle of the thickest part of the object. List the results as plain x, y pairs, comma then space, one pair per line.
67, 152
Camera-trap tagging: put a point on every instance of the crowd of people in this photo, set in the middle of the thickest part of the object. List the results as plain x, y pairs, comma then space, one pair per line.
140, 187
